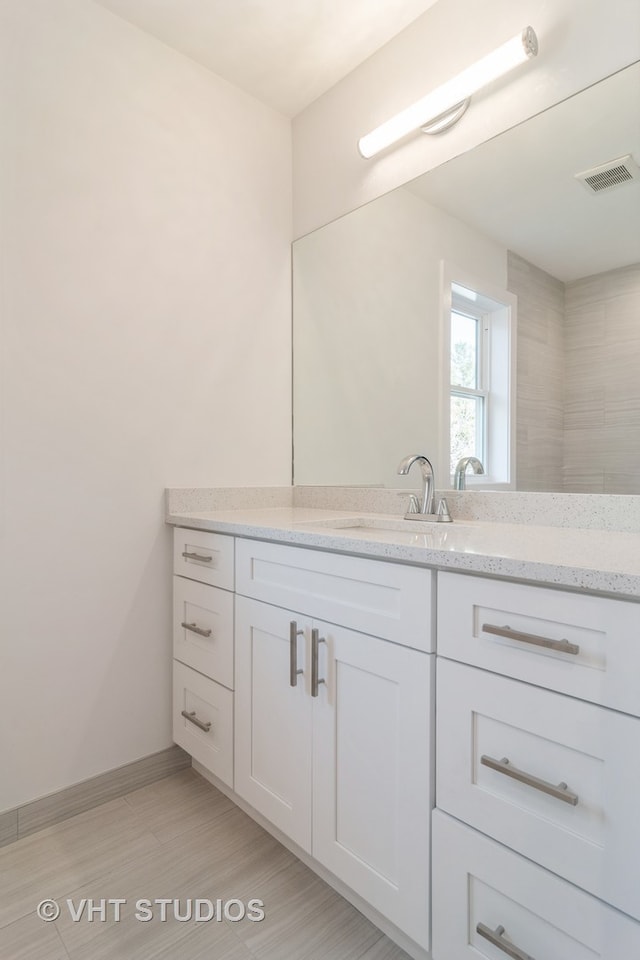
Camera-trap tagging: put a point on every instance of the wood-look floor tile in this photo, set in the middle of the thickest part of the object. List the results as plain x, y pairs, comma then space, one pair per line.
306, 919
31, 939
59, 859
198, 865
111, 853
177, 804
132, 939
210, 941
385, 949
332, 930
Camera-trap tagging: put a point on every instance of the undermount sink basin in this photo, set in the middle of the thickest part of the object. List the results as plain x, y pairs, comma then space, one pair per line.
395, 524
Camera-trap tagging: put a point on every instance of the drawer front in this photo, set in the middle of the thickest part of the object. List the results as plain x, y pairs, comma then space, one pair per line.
203, 556
207, 734
594, 650
203, 629
587, 833
382, 599
477, 883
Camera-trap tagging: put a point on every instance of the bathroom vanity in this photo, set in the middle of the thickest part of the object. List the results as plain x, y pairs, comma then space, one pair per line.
447, 728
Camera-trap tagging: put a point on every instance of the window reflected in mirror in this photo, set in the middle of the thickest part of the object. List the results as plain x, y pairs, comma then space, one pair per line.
478, 330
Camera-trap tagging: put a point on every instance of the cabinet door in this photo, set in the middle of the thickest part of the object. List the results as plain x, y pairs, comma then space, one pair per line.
372, 762
273, 719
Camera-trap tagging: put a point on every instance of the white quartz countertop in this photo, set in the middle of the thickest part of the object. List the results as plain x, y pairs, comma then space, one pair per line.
602, 561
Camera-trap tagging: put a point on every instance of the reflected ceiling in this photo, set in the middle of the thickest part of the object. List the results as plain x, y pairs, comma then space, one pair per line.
520, 188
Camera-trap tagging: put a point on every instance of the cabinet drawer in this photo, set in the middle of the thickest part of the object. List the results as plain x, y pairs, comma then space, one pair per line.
203, 629
479, 882
210, 739
383, 599
203, 556
599, 661
548, 739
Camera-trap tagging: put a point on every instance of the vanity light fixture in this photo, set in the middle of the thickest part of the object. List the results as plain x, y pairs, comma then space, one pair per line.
444, 106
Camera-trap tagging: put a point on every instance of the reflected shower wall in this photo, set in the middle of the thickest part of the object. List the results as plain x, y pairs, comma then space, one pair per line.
578, 380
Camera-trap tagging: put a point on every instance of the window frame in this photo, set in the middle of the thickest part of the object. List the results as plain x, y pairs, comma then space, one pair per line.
496, 309
482, 391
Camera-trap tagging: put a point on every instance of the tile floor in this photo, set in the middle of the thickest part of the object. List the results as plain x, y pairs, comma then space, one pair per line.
178, 838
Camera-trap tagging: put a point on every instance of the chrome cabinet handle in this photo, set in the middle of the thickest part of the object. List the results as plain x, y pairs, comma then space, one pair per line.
560, 792
189, 555
294, 672
497, 939
316, 640
191, 717
562, 646
195, 629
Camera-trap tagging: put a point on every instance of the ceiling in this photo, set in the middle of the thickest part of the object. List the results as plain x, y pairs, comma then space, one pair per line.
520, 188
285, 53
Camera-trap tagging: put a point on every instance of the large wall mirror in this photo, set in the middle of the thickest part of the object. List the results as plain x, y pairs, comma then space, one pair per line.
512, 214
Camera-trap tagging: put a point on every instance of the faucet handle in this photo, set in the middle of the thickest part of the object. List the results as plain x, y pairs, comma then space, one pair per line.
414, 503
442, 512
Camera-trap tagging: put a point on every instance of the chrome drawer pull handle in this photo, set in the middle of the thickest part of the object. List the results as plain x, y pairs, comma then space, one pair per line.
497, 939
294, 672
191, 717
195, 629
189, 555
560, 792
316, 640
562, 646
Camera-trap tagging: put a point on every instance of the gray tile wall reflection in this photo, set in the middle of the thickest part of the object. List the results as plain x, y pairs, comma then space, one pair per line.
602, 391
578, 380
539, 376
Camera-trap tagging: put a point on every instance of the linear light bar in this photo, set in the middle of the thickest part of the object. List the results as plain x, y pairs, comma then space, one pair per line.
446, 104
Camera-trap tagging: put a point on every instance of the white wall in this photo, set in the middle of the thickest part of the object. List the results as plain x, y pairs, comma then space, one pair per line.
145, 218
581, 41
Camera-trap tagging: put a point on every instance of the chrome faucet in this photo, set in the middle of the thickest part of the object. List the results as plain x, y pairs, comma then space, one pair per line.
423, 510
459, 477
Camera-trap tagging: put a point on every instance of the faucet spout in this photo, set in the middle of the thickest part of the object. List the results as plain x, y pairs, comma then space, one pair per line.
459, 481
426, 505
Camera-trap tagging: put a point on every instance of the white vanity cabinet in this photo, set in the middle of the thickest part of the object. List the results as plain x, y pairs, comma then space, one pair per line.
307, 681
203, 623
536, 837
334, 706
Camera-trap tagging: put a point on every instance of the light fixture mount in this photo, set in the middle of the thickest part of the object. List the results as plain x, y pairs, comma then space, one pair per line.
446, 120
530, 42
443, 107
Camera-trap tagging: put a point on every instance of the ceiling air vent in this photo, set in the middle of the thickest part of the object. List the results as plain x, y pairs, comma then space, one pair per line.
609, 175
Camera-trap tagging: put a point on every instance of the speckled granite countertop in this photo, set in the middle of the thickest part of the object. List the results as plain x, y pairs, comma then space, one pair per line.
602, 561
